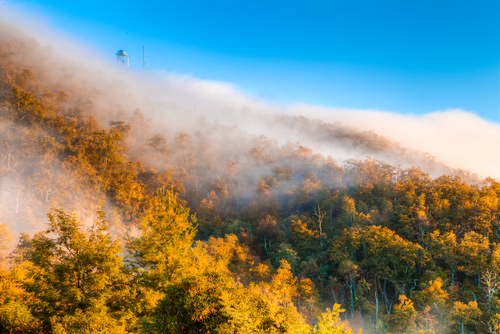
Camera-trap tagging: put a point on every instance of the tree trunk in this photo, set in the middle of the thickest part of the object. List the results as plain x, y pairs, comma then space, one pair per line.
376, 309
17, 200
8, 159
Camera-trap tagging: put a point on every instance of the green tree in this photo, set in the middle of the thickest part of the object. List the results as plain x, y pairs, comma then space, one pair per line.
491, 285
444, 249
403, 316
284, 286
474, 249
163, 253
213, 303
432, 295
74, 268
285, 252
349, 216
94, 320
304, 238
494, 324
465, 314
329, 322
16, 318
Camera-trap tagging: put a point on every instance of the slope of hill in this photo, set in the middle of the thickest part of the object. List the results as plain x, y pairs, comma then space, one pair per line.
399, 250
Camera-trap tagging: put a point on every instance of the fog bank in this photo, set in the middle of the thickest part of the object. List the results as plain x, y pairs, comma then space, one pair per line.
231, 119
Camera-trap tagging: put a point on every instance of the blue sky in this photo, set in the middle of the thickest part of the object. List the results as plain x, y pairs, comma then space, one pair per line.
401, 56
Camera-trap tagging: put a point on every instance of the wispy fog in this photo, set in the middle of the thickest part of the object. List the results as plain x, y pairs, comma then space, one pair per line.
232, 120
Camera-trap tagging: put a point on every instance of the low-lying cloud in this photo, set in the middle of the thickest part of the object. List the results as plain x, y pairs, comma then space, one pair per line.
457, 138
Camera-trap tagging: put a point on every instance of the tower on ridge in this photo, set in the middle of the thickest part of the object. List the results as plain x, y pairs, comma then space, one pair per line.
122, 57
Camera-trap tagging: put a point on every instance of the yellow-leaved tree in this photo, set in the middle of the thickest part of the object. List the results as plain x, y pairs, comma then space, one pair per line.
284, 287
165, 251
330, 323
465, 314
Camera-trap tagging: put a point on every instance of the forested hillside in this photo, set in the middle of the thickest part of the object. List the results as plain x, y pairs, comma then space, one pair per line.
115, 224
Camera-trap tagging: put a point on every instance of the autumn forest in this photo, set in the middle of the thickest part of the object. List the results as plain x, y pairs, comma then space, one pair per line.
112, 224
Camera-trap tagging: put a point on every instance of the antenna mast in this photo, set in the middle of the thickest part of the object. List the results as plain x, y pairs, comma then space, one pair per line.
144, 59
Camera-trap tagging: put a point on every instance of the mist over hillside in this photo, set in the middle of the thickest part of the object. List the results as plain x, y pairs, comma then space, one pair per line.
193, 128
290, 208
218, 111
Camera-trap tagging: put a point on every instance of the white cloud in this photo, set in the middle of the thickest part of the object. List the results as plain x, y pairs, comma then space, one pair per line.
457, 138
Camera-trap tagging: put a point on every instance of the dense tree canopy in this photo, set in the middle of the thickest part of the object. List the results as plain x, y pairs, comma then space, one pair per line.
155, 233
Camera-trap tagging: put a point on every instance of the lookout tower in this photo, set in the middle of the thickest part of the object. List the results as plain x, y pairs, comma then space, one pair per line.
122, 57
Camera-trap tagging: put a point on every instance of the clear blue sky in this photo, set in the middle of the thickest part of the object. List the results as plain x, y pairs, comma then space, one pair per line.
401, 56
